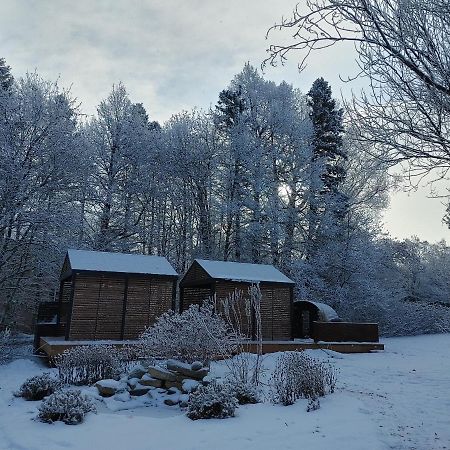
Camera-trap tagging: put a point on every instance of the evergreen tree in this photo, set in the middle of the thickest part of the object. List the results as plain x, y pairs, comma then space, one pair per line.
6, 79
327, 240
328, 205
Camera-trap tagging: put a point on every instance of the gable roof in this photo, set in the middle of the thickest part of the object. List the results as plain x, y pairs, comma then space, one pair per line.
236, 271
119, 262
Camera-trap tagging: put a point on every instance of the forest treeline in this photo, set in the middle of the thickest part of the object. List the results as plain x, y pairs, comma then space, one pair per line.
268, 175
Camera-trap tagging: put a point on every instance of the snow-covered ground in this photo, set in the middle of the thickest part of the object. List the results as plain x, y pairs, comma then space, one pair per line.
396, 399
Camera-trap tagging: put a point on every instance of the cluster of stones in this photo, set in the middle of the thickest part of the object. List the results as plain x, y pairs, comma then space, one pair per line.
176, 382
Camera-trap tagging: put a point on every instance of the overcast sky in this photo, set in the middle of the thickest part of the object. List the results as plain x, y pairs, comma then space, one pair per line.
173, 55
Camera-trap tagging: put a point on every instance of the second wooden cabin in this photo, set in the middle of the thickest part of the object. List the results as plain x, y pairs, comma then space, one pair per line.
207, 278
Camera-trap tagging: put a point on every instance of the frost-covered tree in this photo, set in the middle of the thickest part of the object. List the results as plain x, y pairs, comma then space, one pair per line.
120, 140
38, 166
402, 49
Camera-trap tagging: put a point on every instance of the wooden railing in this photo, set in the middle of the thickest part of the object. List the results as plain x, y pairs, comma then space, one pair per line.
48, 323
345, 332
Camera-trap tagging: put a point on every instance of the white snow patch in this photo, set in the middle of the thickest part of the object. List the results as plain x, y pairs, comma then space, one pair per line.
119, 262
392, 399
226, 270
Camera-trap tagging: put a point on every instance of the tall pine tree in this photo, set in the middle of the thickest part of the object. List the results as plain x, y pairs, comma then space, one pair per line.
328, 205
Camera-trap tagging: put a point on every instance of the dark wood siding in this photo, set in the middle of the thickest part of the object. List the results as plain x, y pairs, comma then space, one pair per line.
275, 305
195, 275
103, 304
195, 295
84, 309
147, 299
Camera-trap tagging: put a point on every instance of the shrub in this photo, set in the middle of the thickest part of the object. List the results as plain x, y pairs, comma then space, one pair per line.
212, 401
245, 393
68, 406
297, 375
88, 364
38, 387
197, 334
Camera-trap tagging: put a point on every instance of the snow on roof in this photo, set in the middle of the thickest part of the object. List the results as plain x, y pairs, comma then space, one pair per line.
226, 270
327, 311
119, 262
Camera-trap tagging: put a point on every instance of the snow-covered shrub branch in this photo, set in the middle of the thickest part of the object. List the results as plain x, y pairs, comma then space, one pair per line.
243, 314
88, 363
297, 375
197, 334
214, 401
38, 387
68, 406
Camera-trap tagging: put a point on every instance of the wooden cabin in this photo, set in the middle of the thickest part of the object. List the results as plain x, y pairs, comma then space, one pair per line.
206, 278
108, 296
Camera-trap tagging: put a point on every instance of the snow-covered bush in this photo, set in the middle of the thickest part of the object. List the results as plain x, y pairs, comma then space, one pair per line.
197, 334
214, 401
68, 406
245, 393
88, 364
242, 312
297, 375
38, 387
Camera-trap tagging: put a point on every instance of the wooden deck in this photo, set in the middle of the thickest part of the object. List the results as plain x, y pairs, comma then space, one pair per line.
309, 344
52, 346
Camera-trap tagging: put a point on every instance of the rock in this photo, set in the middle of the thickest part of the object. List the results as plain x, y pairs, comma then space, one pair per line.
185, 369
140, 389
147, 380
189, 386
137, 372
107, 388
196, 365
173, 390
122, 396
132, 382
174, 384
184, 400
161, 391
171, 401
161, 374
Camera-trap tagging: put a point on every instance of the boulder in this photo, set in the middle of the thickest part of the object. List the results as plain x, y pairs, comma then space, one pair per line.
171, 401
140, 389
174, 384
107, 388
196, 365
122, 396
132, 382
161, 374
173, 390
147, 380
189, 385
137, 372
185, 369
184, 400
